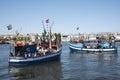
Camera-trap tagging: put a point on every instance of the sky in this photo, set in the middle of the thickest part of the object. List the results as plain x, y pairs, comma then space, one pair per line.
26, 16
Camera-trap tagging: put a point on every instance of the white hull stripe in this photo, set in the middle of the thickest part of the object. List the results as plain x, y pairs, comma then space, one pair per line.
84, 49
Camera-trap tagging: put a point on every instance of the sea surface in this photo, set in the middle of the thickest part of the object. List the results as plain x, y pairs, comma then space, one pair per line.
71, 66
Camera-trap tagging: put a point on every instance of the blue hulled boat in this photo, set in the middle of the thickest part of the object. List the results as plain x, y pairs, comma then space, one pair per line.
93, 46
43, 50
34, 56
76, 48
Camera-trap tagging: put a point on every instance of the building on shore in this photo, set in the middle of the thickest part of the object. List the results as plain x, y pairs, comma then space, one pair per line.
67, 37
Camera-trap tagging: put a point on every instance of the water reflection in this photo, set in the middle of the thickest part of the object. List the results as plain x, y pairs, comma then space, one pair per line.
93, 66
98, 55
44, 71
107, 56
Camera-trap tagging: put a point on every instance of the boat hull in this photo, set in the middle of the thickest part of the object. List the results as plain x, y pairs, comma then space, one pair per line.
21, 61
78, 49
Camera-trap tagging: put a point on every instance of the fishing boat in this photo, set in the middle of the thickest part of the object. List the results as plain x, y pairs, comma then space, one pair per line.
92, 46
35, 53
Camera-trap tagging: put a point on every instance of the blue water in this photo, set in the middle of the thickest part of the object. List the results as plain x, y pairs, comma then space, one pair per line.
71, 66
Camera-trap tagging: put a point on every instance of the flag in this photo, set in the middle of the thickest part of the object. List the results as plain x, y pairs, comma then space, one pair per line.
47, 21
77, 28
9, 27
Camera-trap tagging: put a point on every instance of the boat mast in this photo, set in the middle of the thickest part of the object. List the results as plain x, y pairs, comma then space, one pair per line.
50, 27
49, 37
49, 31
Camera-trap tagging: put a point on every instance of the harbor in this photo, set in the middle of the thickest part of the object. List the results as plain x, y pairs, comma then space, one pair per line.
60, 40
68, 65
49, 56
71, 66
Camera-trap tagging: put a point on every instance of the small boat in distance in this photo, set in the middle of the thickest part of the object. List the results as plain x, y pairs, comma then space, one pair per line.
98, 45
35, 52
